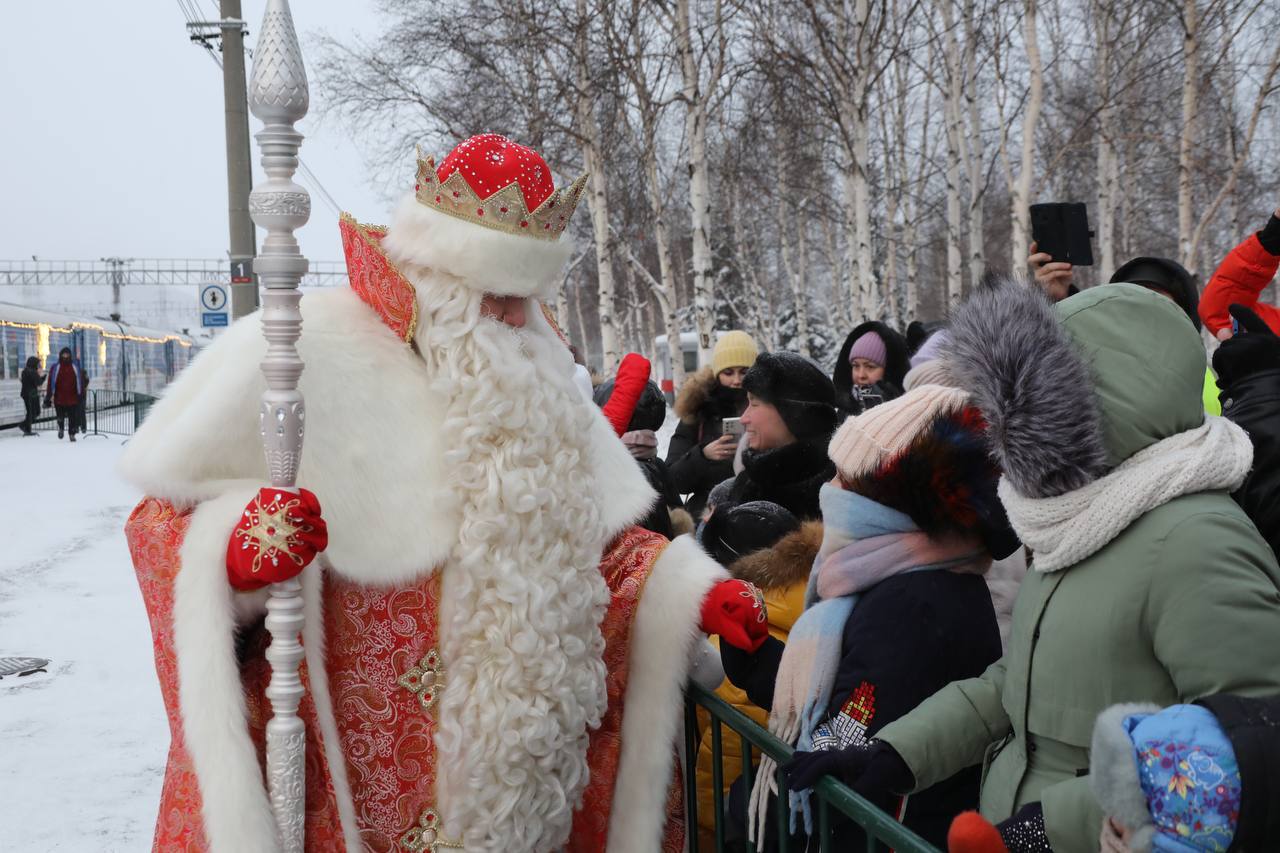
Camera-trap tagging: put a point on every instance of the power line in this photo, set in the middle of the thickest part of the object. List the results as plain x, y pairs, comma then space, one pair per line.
191, 12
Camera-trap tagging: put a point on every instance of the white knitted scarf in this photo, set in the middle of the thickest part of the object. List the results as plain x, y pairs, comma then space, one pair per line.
1063, 530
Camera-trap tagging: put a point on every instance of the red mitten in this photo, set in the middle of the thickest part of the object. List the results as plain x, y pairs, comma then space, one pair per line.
279, 534
735, 610
633, 376
972, 833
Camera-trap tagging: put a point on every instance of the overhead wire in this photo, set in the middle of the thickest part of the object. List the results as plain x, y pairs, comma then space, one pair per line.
191, 12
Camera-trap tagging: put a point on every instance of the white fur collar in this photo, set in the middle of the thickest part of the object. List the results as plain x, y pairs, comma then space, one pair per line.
372, 451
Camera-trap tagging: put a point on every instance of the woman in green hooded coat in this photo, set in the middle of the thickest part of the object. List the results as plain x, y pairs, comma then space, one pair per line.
1147, 582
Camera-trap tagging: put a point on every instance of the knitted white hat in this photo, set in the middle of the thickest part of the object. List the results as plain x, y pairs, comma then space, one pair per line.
880, 433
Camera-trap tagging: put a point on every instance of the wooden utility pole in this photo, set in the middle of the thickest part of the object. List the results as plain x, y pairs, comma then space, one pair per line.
244, 295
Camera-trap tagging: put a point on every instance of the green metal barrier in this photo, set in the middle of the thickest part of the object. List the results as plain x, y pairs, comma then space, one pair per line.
882, 831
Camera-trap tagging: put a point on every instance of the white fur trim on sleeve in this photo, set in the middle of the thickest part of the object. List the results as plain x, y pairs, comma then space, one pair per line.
1113, 773
237, 814
484, 259
665, 633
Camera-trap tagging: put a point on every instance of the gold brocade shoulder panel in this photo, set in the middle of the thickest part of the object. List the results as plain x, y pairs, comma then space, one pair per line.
375, 278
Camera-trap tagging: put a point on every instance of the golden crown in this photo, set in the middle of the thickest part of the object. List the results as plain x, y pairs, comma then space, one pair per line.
505, 210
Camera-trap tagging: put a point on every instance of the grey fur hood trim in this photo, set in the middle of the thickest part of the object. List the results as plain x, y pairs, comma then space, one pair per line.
1025, 374
1113, 773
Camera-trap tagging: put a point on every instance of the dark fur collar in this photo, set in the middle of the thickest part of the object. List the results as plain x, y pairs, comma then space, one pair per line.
1009, 351
785, 564
698, 399
790, 476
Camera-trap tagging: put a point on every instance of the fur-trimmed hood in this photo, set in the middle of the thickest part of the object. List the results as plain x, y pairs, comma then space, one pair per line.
1071, 391
697, 399
786, 563
897, 362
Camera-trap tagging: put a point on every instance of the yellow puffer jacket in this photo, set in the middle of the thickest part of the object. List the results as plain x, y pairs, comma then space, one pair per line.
782, 573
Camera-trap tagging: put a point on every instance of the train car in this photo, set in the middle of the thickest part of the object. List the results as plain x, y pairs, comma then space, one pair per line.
116, 356
662, 364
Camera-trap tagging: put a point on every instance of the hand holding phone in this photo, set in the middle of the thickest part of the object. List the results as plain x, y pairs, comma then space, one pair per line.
1054, 277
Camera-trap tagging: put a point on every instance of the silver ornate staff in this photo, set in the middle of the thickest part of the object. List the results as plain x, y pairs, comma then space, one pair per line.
278, 96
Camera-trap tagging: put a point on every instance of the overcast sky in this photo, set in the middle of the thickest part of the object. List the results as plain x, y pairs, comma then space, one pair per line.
111, 133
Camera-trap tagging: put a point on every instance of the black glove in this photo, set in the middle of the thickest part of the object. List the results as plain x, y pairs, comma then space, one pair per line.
1024, 832
1254, 348
872, 769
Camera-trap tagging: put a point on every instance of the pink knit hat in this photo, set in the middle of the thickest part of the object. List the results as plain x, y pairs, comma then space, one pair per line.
863, 443
871, 347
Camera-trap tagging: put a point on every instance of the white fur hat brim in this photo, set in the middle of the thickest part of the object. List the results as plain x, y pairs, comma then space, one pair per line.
484, 259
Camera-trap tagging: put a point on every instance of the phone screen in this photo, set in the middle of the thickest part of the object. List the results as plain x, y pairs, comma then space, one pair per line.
1061, 230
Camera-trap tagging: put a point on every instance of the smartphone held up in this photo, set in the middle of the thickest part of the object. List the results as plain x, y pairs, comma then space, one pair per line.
1061, 230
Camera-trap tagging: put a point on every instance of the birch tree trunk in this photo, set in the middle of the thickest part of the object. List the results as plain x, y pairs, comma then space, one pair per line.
1190, 119
1106, 157
597, 199
973, 148
953, 71
1020, 215
699, 183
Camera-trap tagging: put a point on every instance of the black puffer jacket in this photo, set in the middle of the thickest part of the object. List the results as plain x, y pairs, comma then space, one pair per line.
1253, 402
649, 414
895, 369
908, 637
789, 476
1248, 368
702, 405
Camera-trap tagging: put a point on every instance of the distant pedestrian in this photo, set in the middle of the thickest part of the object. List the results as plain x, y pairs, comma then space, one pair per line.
31, 379
65, 390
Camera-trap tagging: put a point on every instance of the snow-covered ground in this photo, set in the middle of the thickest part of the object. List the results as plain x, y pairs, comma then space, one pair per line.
82, 748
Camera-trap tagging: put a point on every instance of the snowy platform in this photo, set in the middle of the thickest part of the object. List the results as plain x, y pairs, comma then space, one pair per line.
84, 744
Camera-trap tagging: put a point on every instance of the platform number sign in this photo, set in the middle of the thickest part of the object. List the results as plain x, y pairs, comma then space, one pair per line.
213, 306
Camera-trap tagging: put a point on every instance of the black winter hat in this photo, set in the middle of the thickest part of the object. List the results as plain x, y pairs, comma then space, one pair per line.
740, 530
918, 332
1168, 275
650, 411
801, 393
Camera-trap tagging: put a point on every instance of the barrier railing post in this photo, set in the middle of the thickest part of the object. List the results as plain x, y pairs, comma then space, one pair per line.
691, 773
882, 831
717, 781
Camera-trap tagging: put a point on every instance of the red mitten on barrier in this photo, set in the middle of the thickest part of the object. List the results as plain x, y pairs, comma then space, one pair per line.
279, 534
972, 833
735, 610
633, 376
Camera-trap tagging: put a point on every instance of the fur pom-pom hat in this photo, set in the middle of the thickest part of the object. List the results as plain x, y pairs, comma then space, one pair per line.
926, 454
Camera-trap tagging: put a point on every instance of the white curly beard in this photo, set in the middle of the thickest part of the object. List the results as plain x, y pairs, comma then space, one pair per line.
523, 596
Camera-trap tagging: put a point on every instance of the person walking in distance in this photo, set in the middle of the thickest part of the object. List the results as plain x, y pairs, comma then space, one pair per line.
31, 380
65, 388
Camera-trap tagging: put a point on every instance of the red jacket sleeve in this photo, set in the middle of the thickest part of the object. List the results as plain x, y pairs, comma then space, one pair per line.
633, 375
1239, 279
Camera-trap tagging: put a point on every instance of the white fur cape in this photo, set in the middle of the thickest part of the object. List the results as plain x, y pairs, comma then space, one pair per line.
372, 454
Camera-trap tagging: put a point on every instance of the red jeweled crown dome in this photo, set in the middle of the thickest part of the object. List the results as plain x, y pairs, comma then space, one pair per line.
489, 216
491, 181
